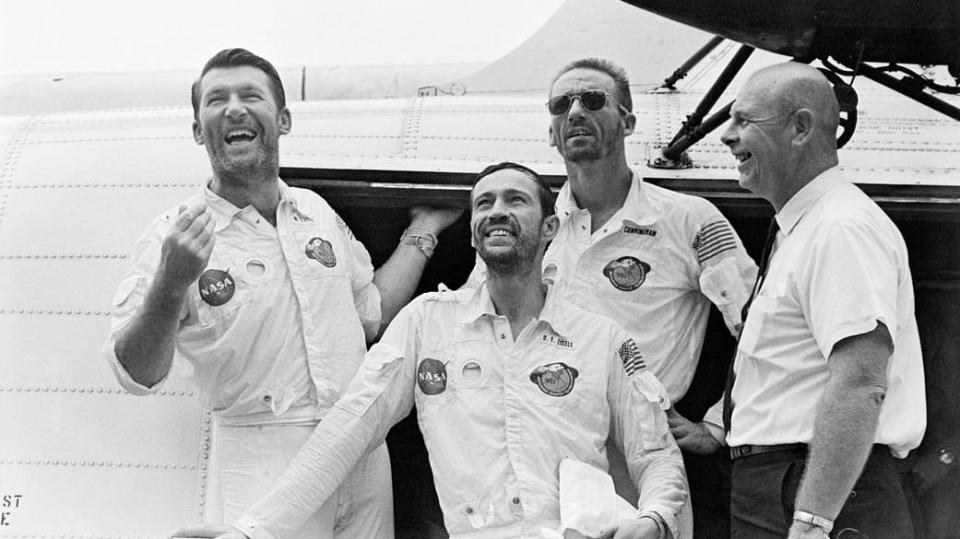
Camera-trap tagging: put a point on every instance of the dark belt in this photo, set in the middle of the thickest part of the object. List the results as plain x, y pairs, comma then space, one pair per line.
746, 450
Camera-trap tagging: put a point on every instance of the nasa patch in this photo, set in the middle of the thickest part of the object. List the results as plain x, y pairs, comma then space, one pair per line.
216, 287
432, 376
320, 250
626, 273
555, 379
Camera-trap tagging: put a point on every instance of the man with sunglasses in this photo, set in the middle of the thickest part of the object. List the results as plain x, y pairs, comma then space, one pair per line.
828, 380
650, 258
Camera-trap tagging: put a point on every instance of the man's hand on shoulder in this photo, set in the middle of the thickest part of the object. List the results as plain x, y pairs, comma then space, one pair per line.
691, 437
433, 220
219, 531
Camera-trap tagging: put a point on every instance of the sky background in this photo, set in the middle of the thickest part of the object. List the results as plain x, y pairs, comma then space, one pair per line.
47, 36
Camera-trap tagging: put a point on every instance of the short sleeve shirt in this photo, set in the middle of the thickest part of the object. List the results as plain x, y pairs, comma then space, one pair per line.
274, 326
839, 267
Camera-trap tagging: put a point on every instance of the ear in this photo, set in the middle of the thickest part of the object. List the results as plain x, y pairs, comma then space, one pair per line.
285, 121
553, 142
629, 124
804, 124
549, 227
197, 132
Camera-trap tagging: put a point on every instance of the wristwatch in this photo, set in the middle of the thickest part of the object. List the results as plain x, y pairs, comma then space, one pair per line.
946, 457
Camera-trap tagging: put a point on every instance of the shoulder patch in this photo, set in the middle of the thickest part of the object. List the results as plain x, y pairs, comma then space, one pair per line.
631, 357
714, 238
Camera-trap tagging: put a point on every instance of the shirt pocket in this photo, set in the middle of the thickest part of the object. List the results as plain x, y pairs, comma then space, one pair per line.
321, 250
758, 322
224, 287
559, 380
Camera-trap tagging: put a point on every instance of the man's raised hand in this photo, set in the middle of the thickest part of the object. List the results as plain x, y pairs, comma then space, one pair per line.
187, 246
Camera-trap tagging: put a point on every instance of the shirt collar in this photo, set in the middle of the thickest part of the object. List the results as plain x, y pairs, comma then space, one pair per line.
637, 205
224, 212
808, 195
481, 304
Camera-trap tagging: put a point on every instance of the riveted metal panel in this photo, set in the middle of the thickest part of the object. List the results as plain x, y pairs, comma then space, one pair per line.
89, 221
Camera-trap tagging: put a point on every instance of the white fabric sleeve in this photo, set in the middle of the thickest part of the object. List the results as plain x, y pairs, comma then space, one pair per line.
639, 428
851, 283
727, 273
366, 296
128, 300
380, 395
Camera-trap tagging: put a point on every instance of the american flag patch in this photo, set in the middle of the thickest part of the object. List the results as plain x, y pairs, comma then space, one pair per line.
714, 238
630, 356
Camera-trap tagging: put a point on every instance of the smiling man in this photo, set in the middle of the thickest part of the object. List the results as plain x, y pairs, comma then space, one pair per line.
508, 379
828, 386
267, 293
649, 258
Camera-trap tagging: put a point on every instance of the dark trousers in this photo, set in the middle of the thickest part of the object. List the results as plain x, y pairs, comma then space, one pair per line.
764, 490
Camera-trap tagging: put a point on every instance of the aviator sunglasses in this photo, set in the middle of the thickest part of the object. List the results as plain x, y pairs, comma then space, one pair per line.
591, 100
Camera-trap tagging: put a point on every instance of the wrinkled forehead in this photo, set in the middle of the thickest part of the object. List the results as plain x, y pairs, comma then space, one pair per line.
582, 78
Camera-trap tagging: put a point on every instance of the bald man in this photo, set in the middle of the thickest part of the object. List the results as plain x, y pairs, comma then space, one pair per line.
828, 379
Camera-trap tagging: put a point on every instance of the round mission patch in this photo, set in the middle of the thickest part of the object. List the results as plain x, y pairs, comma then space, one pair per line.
216, 287
432, 376
321, 250
555, 379
626, 273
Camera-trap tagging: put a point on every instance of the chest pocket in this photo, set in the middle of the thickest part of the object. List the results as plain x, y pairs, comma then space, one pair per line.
625, 267
559, 381
320, 250
455, 375
224, 286
758, 322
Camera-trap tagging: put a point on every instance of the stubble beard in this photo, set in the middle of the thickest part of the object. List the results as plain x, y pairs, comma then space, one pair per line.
225, 166
518, 261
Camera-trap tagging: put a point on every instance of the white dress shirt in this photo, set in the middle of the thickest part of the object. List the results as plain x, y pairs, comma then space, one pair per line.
839, 267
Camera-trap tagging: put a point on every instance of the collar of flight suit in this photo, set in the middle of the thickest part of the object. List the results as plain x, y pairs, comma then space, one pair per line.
224, 212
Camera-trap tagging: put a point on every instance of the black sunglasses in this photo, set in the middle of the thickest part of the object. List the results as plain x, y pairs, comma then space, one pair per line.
591, 100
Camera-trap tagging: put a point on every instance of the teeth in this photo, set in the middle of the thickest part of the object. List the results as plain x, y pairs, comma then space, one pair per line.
742, 156
241, 134
499, 233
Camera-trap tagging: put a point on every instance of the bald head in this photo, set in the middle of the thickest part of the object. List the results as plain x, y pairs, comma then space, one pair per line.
792, 86
783, 129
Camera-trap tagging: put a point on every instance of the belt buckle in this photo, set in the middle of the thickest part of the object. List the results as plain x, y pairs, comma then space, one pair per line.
740, 451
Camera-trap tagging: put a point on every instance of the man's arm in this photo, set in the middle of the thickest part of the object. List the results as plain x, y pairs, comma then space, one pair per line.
726, 272
845, 426
380, 395
639, 428
398, 277
145, 347
701, 438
